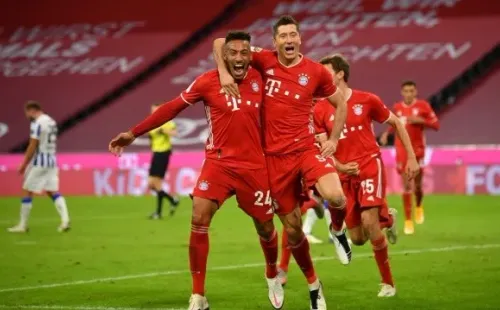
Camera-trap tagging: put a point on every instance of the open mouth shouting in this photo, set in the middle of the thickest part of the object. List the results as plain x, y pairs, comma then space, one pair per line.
239, 69
290, 50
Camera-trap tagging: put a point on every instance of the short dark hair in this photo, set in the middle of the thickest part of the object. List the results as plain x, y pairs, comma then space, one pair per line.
338, 63
283, 21
408, 83
238, 35
32, 105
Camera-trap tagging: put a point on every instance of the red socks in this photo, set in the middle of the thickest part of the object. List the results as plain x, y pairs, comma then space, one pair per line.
337, 216
270, 249
302, 256
198, 254
285, 252
407, 205
382, 258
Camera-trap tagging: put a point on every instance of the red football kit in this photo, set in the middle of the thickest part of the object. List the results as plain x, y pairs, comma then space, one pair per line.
421, 109
358, 144
235, 161
288, 126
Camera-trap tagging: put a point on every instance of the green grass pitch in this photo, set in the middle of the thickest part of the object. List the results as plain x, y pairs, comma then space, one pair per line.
114, 258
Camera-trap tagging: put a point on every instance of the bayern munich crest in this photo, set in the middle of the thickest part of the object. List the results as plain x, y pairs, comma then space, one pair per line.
255, 86
358, 109
303, 79
203, 186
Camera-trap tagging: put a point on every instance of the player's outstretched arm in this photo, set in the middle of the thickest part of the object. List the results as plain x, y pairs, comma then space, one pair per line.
412, 167
163, 114
226, 79
28, 155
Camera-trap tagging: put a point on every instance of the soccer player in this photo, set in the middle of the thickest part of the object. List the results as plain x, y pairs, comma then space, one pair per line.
417, 115
292, 81
161, 146
362, 171
39, 167
234, 164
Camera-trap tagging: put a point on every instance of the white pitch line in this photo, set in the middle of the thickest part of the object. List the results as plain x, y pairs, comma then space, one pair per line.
244, 266
78, 307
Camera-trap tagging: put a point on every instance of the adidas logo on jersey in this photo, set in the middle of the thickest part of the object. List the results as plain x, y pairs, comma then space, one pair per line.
270, 72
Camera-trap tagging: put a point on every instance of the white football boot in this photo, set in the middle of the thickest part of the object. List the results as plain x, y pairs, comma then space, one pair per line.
276, 292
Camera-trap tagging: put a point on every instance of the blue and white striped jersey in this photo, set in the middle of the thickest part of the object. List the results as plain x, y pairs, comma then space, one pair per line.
44, 129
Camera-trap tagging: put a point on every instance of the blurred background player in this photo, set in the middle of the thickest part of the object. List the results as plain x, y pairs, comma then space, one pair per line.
231, 167
362, 171
314, 209
417, 115
39, 167
161, 146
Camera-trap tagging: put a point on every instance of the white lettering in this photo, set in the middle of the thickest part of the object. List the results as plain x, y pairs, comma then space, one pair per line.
330, 38
452, 50
137, 181
493, 180
101, 182
475, 177
272, 86
185, 181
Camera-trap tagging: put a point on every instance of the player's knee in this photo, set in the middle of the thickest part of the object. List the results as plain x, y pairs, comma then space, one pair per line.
370, 221
265, 230
357, 236
203, 211
358, 240
335, 197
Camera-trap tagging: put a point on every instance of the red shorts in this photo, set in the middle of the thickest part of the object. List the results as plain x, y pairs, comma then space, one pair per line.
401, 160
251, 187
289, 174
367, 190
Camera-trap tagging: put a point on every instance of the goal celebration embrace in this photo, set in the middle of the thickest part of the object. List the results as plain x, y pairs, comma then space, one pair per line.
267, 147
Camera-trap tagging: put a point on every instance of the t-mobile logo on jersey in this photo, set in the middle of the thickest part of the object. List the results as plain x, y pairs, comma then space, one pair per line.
272, 86
343, 133
231, 101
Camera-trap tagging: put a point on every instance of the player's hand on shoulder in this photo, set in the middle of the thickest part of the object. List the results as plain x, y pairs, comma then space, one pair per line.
412, 168
122, 140
229, 85
328, 147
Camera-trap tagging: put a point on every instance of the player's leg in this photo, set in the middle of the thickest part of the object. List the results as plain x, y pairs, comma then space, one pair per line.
34, 179
62, 209
286, 254
212, 189
339, 237
26, 205
374, 211
371, 224
254, 198
309, 209
419, 197
157, 171
286, 188
407, 192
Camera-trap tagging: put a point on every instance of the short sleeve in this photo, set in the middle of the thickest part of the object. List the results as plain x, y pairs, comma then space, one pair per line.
325, 87
319, 118
260, 57
35, 130
195, 91
378, 110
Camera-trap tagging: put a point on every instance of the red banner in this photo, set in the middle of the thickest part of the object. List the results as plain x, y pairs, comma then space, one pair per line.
66, 54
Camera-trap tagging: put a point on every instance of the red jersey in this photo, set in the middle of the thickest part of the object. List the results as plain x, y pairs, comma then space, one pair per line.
234, 135
288, 100
357, 140
419, 108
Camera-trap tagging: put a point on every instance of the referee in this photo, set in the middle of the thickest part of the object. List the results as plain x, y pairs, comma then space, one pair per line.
161, 146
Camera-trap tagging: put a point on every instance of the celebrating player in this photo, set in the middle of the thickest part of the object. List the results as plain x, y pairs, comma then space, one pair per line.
40, 168
416, 115
362, 170
292, 81
161, 145
234, 163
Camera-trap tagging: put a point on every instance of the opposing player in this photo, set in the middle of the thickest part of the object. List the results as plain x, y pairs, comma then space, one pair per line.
292, 81
417, 115
39, 167
363, 175
161, 147
234, 164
